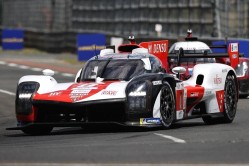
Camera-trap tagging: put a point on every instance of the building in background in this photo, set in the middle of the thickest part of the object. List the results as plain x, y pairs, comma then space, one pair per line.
55, 23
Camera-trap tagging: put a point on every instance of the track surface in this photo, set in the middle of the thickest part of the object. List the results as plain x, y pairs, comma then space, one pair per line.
203, 144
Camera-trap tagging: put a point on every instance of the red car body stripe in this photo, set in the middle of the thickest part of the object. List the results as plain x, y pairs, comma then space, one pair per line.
195, 92
220, 99
75, 92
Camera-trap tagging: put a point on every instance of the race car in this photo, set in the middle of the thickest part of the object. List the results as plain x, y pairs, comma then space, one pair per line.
131, 88
191, 46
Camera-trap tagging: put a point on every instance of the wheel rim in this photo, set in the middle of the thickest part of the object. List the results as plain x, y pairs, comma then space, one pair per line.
167, 105
230, 99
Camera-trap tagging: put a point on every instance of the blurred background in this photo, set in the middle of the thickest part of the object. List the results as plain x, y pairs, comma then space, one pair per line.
52, 25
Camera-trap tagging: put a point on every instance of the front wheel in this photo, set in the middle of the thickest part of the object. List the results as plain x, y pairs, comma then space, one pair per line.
167, 105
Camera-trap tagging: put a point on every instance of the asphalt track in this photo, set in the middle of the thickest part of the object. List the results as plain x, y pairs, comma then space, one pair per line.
189, 142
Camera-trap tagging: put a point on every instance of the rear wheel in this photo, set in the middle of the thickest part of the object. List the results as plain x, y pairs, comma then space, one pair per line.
35, 130
230, 99
167, 105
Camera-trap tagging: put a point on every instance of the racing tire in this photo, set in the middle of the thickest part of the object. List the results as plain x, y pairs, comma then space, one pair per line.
167, 106
35, 130
230, 99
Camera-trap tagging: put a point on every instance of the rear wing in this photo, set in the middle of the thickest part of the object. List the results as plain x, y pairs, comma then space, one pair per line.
158, 49
232, 54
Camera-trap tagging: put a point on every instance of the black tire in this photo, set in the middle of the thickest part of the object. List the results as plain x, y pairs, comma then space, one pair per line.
230, 99
35, 130
167, 105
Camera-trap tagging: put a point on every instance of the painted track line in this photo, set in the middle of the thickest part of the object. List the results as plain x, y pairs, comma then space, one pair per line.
12, 65
7, 92
68, 75
177, 140
2, 63
34, 68
24, 67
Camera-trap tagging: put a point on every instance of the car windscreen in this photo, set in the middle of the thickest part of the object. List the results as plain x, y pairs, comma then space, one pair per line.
114, 69
190, 61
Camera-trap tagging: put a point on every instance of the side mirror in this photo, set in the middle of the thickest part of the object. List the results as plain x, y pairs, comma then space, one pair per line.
179, 70
48, 72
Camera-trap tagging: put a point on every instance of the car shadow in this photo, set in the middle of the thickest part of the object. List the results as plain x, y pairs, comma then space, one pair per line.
92, 129
110, 128
102, 128
187, 124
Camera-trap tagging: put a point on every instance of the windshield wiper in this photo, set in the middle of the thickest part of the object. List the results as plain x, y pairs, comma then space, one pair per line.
104, 68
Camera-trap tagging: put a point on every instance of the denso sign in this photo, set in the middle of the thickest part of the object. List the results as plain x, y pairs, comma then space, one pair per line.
157, 48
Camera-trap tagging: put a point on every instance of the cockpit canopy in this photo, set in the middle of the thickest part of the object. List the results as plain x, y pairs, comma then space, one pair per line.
120, 66
190, 47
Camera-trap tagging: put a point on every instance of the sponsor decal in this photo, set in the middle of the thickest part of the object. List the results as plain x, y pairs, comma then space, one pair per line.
157, 82
208, 93
217, 80
234, 56
82, 90
194, 94
185, 99
179, 114
54, 94
234, 47
224, 70
12, 40
109, 92
90, 48
140, 93
77, 94
179, 99
150, 47
159, 48
144, 121
89, 86
220, 100
190, 70
179, 86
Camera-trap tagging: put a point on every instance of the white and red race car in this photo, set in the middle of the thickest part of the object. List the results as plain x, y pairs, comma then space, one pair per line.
194, 51
130, 88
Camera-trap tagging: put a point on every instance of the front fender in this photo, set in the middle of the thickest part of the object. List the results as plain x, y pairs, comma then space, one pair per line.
46, 83
210, 76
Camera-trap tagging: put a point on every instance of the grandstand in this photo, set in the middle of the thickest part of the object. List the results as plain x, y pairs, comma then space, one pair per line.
51, 24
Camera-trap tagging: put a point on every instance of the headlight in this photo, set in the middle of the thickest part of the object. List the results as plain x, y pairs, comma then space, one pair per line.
137, 96
24, 95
